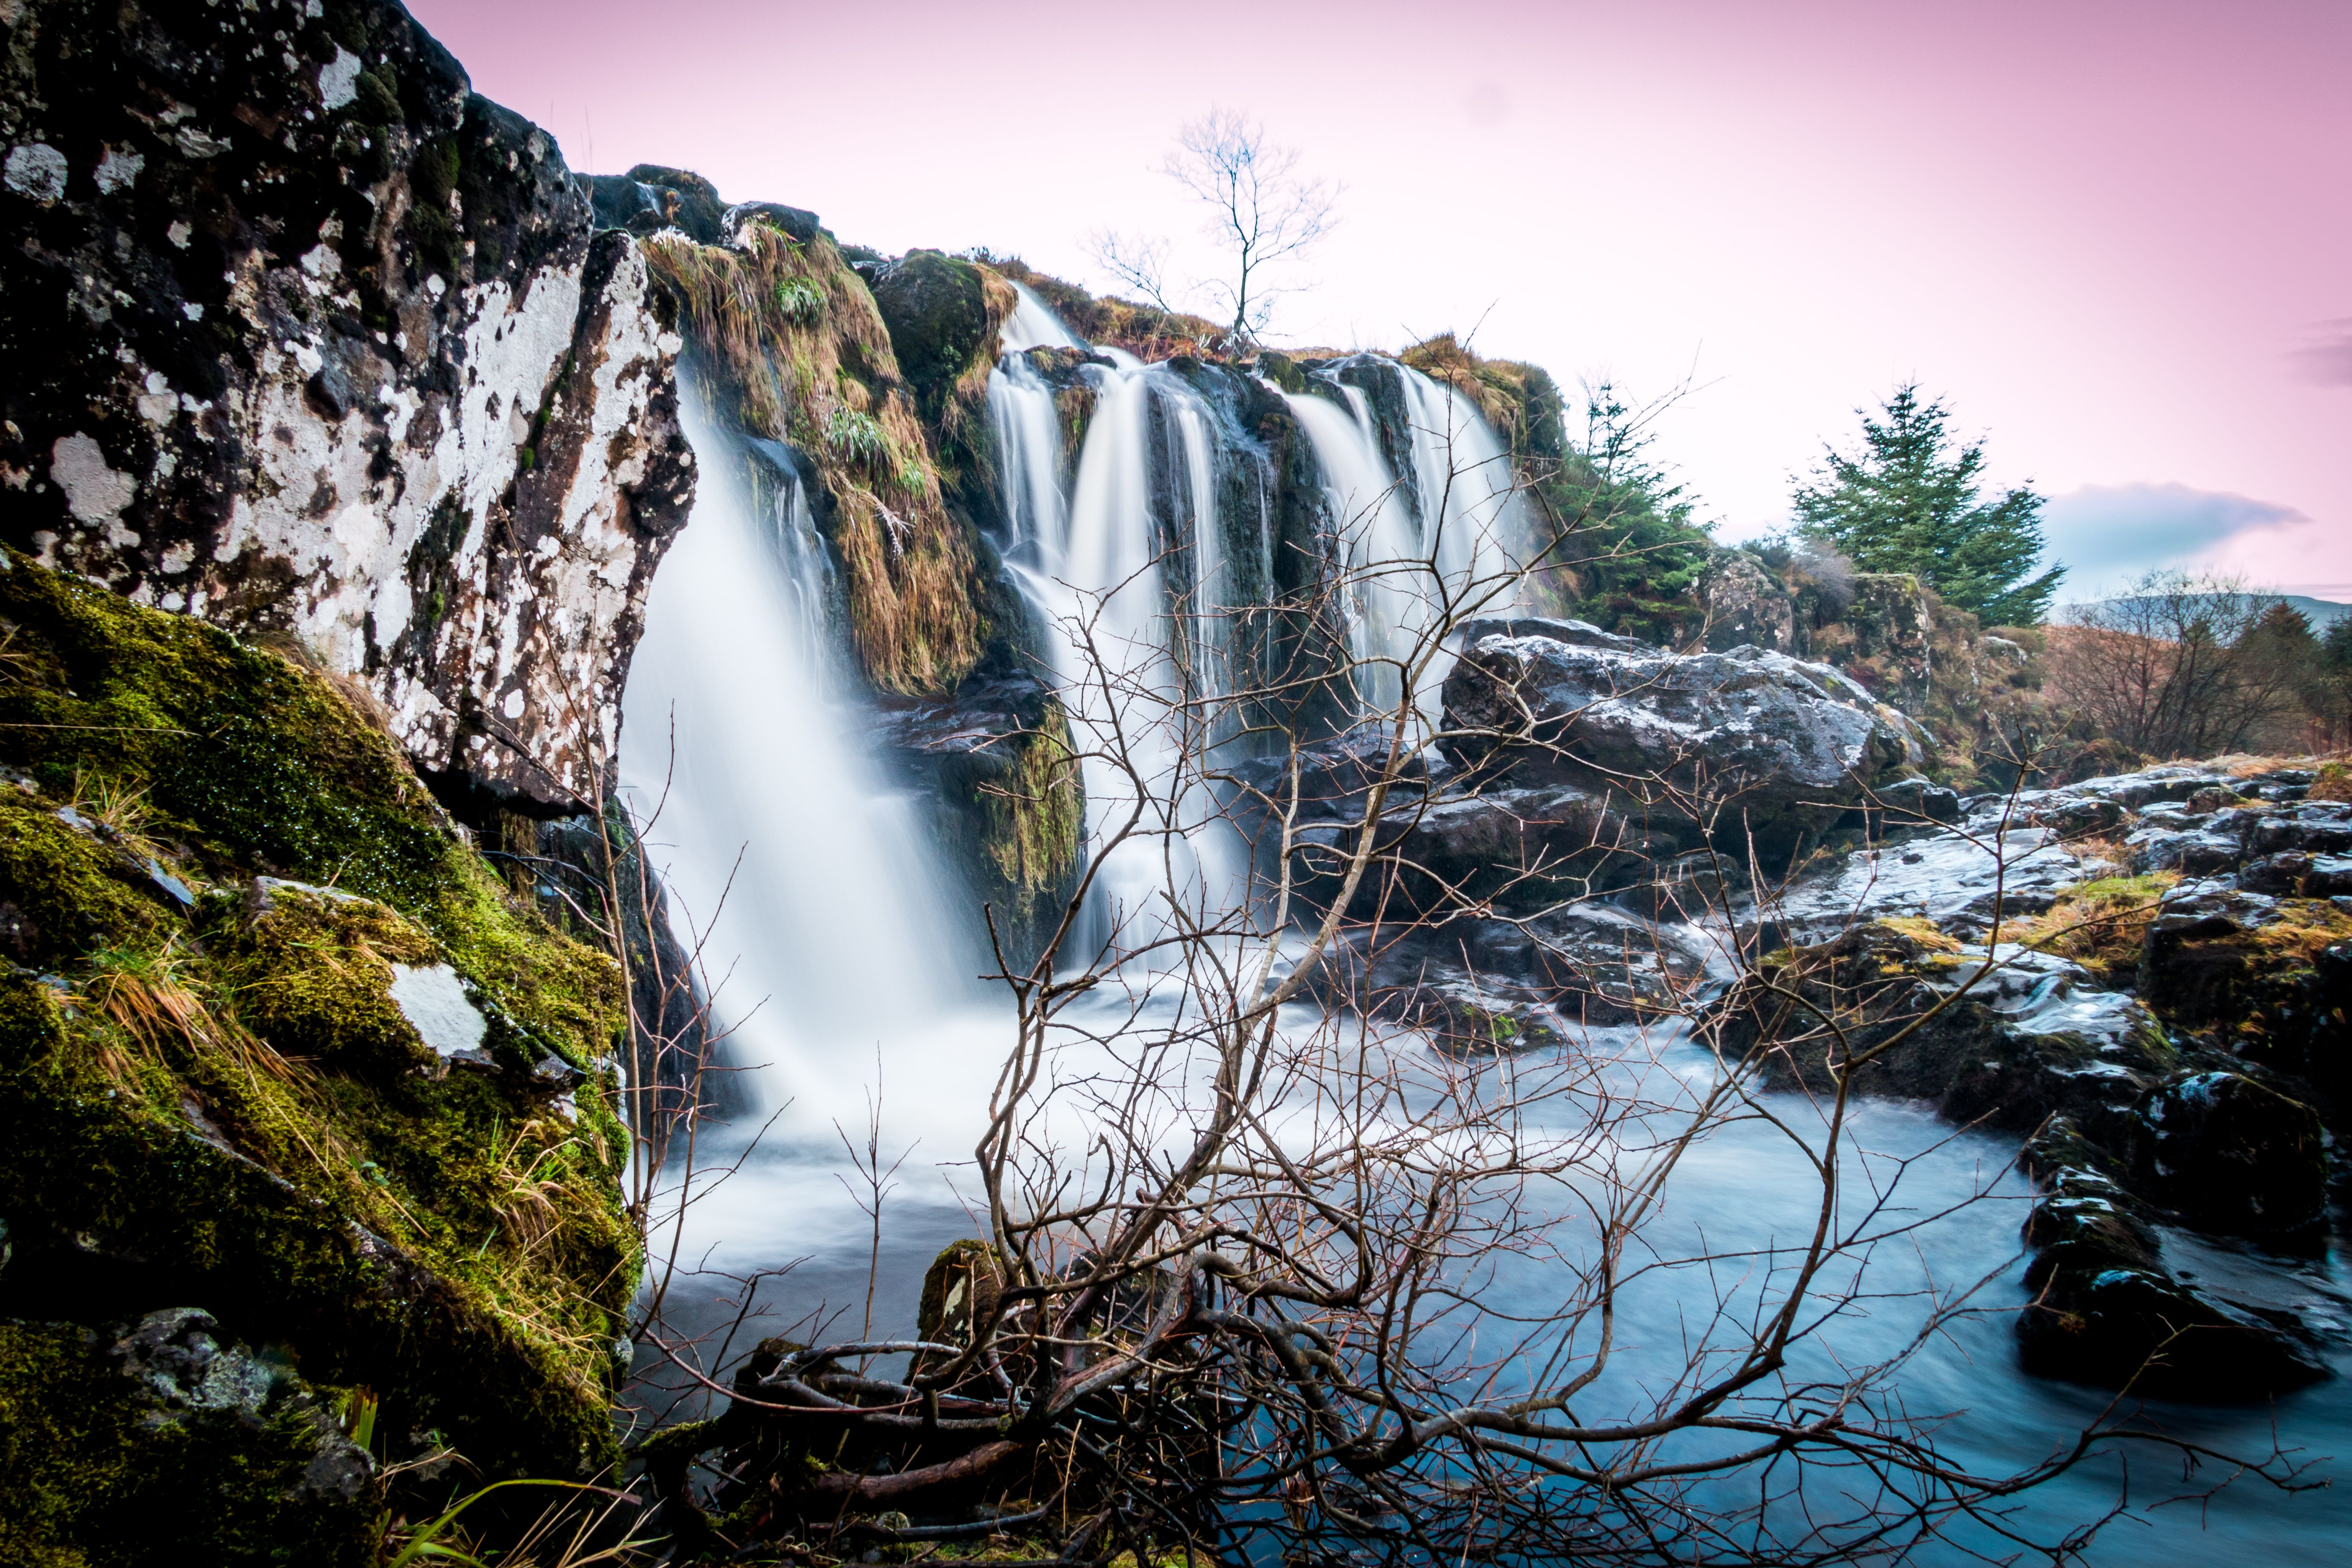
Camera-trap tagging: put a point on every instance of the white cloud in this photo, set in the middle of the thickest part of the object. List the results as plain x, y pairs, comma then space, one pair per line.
2108, 535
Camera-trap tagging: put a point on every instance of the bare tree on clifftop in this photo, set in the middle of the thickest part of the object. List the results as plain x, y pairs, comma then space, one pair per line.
1261, 212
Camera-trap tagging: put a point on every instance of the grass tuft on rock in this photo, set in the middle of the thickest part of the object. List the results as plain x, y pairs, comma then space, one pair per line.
825, 380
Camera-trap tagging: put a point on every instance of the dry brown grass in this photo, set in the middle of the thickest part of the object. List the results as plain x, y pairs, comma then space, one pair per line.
799, 342
2100, 924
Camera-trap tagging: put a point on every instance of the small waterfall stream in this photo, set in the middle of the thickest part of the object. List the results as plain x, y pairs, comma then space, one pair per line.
825, 927
1442, 533
1137, 667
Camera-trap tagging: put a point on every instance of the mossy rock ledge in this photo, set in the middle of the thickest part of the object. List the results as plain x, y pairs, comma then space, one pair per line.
313, 1164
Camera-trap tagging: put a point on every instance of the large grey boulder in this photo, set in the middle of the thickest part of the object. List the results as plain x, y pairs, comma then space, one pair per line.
1722, 739
300, 336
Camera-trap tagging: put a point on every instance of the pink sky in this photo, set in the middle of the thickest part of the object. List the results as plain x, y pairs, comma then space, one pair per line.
2117, 237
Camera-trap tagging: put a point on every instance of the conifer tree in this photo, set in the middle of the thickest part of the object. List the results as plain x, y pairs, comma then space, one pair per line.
1911, 500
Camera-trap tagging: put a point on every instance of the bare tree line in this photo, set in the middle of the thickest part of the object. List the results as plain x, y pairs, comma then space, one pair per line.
2186, 664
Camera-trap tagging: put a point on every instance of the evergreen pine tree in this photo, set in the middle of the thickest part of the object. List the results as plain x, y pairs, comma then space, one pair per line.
1910, 500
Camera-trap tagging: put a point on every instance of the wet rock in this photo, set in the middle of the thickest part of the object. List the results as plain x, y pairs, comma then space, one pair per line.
993, 760
1745, 607
2318, 828
2078, 816
1485, 986
2224, 960
1687, 888
315, 342
1574, 634
2121, 1326
1909, 802
1435, 981
2106, 1309
2232, 1156
2195, 852
1744, 741
1517, 848
1334, 778
2035, 1037
652, 198
2292, 873
1955, 882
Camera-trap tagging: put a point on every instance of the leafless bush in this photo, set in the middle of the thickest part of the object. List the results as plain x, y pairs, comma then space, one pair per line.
1246, 1235
2173, 667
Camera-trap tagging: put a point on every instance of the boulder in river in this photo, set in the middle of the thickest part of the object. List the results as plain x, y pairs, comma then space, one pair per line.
1716, 742
2233, 1156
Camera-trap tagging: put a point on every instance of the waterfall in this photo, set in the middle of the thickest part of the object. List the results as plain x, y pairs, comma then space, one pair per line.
809, 882
1139, 667
1450, 532
1376, 526
1129, 575
1032, 325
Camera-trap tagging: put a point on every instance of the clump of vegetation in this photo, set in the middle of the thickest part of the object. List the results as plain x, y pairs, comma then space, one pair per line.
823, 378
800, 299
2100, 924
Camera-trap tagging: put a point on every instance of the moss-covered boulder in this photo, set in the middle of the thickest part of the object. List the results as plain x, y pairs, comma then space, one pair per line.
155, 1438
943, 319
276, 1045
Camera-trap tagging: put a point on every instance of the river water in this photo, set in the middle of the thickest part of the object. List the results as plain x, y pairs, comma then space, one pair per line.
842, 976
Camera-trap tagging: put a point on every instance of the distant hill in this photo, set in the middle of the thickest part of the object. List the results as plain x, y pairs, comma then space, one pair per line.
2320, 613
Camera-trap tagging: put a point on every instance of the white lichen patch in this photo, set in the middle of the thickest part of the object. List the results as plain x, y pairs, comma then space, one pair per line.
95, 493
36, 171
434, 1000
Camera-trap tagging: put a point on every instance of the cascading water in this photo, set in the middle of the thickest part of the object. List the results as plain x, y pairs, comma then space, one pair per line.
1136, 671
1436, 544
821, 918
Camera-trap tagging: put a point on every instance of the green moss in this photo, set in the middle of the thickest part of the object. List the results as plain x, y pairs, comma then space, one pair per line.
1036, 817
2101, 924
226, 1101
96, 1471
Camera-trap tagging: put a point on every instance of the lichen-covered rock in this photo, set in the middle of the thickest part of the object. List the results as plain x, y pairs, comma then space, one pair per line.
303, 335
278, 1046
1745, 607
1744, 741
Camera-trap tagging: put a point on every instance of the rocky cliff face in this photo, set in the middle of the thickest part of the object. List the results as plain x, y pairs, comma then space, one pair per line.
302, 336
